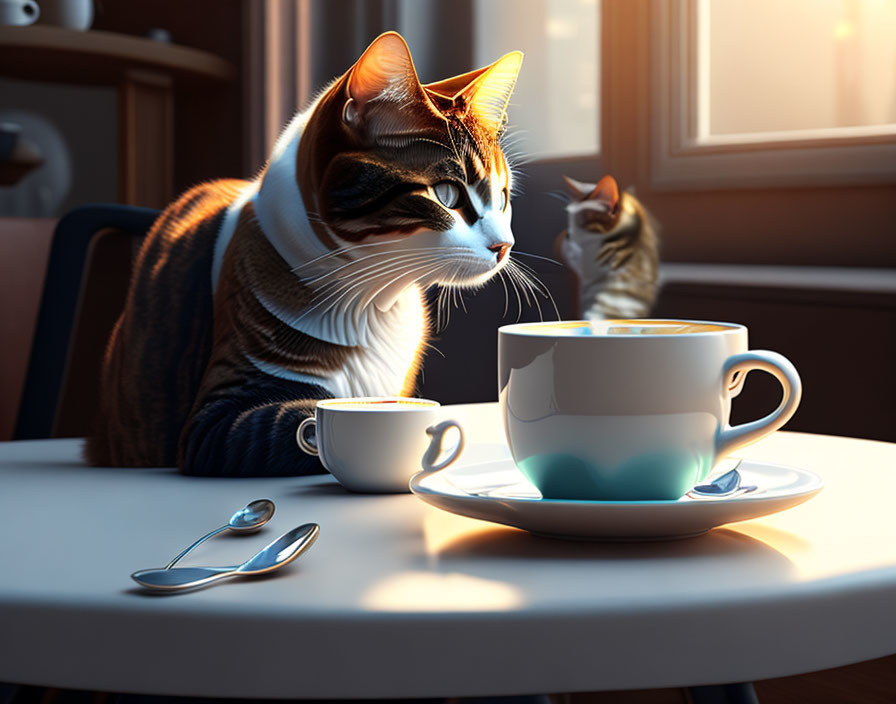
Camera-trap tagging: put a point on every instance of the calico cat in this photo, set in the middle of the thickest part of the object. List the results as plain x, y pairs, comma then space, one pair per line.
612, 246
251, 300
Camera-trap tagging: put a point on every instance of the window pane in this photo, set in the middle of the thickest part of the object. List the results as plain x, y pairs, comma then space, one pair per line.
769, 65
554, 109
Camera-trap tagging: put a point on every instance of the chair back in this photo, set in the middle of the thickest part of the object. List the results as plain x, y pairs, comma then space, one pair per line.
88, 272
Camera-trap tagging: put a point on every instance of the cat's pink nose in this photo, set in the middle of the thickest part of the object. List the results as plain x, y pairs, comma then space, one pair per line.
500, 250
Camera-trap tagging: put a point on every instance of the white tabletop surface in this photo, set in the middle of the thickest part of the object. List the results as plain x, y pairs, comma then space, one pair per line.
397, 598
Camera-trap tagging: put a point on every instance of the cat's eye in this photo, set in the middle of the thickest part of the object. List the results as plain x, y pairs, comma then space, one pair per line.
447, 193
503, 200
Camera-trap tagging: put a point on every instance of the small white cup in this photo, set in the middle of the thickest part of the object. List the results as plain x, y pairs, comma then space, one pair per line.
374, 444
18, 12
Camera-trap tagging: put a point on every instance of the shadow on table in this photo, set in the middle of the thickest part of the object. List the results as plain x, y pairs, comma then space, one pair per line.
321, 485
511, 543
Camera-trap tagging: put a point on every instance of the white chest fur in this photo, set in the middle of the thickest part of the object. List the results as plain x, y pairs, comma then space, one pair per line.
379, 368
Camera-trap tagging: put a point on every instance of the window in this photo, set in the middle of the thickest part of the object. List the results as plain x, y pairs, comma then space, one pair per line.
838, 81
762, 93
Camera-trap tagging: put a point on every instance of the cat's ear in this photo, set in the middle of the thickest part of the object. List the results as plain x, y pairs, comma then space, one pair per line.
485, 92
385, 71
578, 189
606, 191
450, 88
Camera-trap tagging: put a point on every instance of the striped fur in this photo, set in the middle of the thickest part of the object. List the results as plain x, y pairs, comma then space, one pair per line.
612, 246
251, 300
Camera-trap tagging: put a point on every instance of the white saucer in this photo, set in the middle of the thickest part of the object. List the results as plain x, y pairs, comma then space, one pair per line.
497, 491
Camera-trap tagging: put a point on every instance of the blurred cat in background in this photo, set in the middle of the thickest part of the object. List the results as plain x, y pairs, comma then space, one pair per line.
251, 300
612, 246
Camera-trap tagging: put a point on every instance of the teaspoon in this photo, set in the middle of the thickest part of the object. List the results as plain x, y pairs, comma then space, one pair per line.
281, 552
247, 519
726, 484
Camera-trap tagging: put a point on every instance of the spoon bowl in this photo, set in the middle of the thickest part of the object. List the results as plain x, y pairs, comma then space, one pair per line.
727, 484
252, 516
282, 551
273, 556
249, 518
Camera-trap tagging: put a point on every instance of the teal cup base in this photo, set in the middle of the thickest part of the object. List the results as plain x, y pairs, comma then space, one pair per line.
658, 476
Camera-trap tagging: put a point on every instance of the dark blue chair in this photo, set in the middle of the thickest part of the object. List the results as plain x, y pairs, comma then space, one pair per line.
87, 274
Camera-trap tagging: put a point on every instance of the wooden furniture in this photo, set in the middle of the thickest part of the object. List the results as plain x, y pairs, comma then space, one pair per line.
143, 71
84, 289
399, 599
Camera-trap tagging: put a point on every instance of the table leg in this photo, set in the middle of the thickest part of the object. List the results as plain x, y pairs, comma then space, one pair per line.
741, 693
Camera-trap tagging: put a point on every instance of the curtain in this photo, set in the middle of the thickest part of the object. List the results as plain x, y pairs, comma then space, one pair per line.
295, 47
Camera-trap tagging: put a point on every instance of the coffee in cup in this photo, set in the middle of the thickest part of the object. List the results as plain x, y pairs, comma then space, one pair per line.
374, 444
629, 409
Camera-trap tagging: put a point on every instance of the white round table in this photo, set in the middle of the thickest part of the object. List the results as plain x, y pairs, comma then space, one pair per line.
399, 599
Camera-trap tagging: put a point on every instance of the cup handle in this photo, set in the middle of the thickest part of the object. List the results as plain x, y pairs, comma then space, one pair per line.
730, 439
308, 446
32, 11
437, 433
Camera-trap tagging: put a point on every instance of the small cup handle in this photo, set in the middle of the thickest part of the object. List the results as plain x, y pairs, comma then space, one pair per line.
437, 433
302, 438
729, 439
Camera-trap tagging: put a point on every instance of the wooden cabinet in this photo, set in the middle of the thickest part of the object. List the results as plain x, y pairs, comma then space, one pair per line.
148, 75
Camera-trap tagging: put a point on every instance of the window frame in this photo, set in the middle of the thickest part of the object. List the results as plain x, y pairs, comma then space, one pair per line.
681, 158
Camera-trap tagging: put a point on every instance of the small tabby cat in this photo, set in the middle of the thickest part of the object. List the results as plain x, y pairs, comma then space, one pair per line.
251, 300
612, 246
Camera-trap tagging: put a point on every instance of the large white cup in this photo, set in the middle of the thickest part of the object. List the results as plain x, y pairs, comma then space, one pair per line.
375, 445
629, 409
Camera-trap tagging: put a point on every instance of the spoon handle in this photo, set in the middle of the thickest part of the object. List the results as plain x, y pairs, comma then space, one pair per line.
198, 542
181, 577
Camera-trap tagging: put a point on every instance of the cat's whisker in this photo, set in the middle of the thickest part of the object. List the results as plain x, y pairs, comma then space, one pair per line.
516, 290
524, 286
440, 308
505, 271
522, 266
341, 288
399, 256
395, 255
386, 271
460, 297
346, 250
562, 196
506, 293
530, 276
532, 290
430, 346
351, 262
413, 271
514, 271
537, 256
326, 255
413, 275
452, 287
